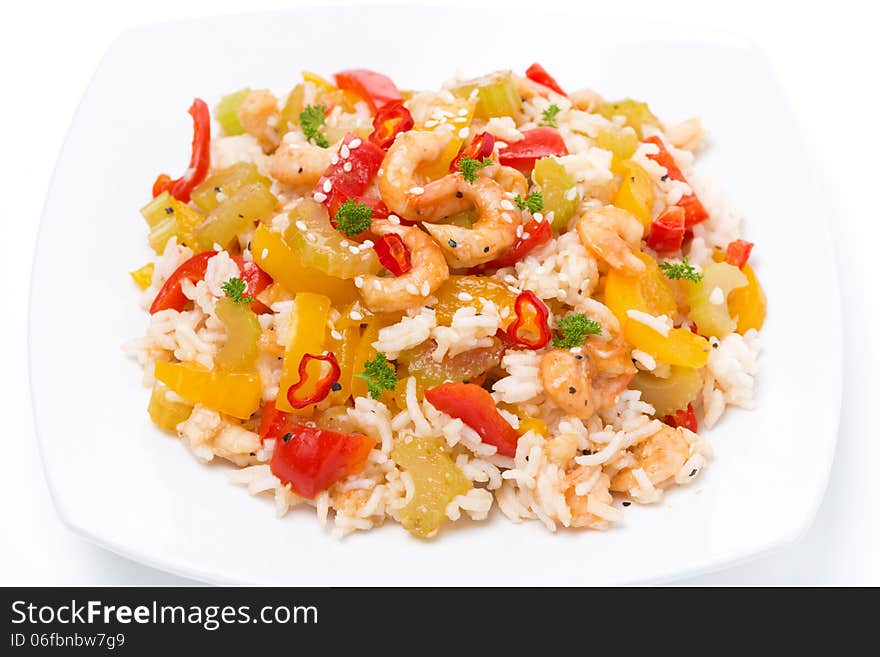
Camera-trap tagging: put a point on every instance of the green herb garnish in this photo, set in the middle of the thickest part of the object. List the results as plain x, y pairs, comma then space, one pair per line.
548, 116
681, 270
379, 376
534, 203
310, 120
235, 289
469, 167
353, 218
574, 330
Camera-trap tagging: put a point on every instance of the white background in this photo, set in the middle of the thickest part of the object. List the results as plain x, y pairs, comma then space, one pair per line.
825, 59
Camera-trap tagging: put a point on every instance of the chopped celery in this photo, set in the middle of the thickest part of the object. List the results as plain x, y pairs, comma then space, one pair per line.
226, 182
671, 394
251, 203
184, 220
242, 332
226, 112
637, 114
496, 95
161, 233
164, 413
622, 144
465, 219
556, 185
293, 106
158, 209
462, 367
320, 246
143, 276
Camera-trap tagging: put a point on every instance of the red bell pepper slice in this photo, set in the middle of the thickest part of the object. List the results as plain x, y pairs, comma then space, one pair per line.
531, 328
393, 254
537, 73
256, 279
312, 459
389, 122
475, 407
481, 146
537, 143
365, 159
694, 212
683, 418
200, 160
667, 230
327, 380
535, 233
738, 253
376, 89
171, 294
272, 422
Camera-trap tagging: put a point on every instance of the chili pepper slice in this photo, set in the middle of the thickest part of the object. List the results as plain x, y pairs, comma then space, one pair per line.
683, 418
256, 279
480, 147
535, 233
537, 73
171, 294
738, 253
393, 254
322, 387
389, 122
694, 212
200, 160
667, 230
536, 143
531, 327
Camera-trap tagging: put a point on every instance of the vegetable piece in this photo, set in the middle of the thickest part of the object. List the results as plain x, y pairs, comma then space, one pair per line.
436, 479
636, 192
748, 304
343, 344
708, 298
252, 203
534, 202
308, 323
667, 230
637, 114
164, 413
389, 122
161, 233
683, 270
648, 292
311, 119
496, 95
200, 160
475, 407
379, 375
694, 212
461, 368
171, 295
393, 254
293, 106
340, 181
531, 328
457, 113
537, 73
376, 89
166, 217
225, 182
679, 347
458, 291
479, 150
317, 244
535, 233
622, 142
272, 422
683, 418
233, 393
574, 329
311, 459
560, 202
313, 387
353, 218
256, 280
535, 144
365, 352
273, 255
242, 332
738, 253
226, 112
670, 394
143, 276
158, 209
534, 424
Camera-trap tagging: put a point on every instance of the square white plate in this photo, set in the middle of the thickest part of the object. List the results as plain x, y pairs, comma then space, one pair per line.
118, 481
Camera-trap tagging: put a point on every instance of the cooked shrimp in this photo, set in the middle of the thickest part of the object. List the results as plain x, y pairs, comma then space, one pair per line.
661, 457
509, 178
579, 504
529, 89
399, 182
586, 100
492, 233
613, 235
259, 117
299, 162
429, 271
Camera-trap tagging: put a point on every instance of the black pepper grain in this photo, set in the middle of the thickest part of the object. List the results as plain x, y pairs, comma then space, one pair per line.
169, 210
286, 437
336, 387
453, 243
572, 390
627, 503
485, 249
693, 472
459, 195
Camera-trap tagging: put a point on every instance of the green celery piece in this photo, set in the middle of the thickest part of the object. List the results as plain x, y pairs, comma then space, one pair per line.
226, 112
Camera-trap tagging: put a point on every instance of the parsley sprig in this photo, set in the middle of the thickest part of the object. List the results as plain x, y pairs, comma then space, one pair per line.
353, 217
469, 167
310, 120
533, 203
235, 289
681, 270
548, 116
574, 329
379, 375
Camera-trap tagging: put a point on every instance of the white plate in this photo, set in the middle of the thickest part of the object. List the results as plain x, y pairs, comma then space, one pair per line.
121, 483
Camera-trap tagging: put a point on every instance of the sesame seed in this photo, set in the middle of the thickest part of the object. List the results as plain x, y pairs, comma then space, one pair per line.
460, 119
571, 194
336, 335
506, 217
381, 172
500, 145
377, 285
394, 219
463, 133
411, 288
344, 244
346, 167
519, 231
538, 216
447, 114
301, 225
507, 205
355, 315
463, 111
319, 197
328, 185
264, 254
355, 250
509, 278
354, 143
426, 288
367, 244
344, 152
526, 235
417, 191
334, 160
430, 123
464, 296
549, 216
358, 282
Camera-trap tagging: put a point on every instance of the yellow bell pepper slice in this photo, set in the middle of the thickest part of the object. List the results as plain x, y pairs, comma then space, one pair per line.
364, 352
679, 347
449, 297
345, 348
276, 258
636, 192
462, 111
233, 393
308, 324
748, 304
143, 276
648, 292
529, 423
